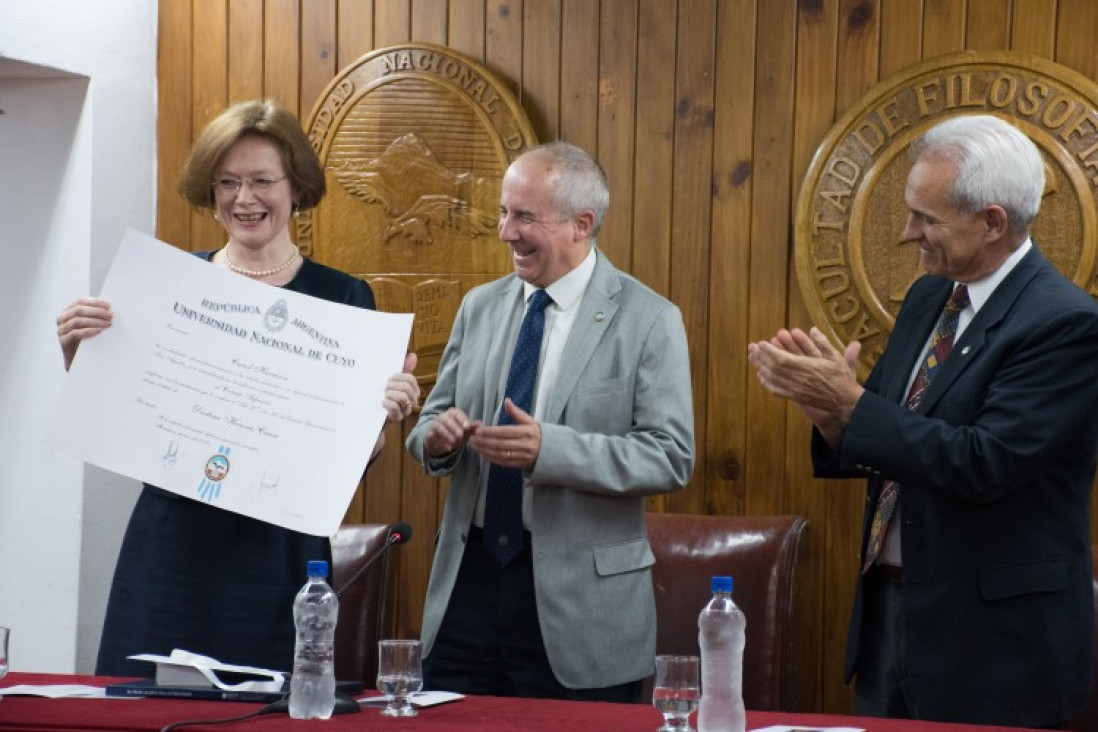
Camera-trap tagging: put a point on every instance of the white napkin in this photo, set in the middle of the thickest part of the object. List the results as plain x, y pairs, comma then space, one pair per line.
183, 668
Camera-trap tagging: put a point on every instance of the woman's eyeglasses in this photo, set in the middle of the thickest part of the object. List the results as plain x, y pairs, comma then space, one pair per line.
233, 185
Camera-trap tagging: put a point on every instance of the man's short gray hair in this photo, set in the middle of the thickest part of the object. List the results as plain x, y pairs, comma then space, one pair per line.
578, 181
996, 165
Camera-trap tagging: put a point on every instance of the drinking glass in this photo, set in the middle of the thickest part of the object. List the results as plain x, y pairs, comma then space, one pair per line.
399, 675
3, 652
675, 692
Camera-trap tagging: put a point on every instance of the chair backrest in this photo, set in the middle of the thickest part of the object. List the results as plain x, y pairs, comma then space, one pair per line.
366, 607
762, 554
1088, 720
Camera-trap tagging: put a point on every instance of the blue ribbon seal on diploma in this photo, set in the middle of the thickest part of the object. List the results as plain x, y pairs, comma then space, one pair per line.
217, 467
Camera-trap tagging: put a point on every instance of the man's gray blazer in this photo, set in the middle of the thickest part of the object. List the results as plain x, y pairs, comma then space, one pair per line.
618, 426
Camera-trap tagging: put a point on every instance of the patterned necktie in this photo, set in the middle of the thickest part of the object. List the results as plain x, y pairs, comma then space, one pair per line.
941, 343
503, 505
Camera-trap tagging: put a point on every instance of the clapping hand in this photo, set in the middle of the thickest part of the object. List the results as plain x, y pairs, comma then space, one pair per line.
806, 369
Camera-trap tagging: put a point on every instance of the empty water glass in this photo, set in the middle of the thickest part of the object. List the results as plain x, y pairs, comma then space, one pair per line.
676, 691
399, 675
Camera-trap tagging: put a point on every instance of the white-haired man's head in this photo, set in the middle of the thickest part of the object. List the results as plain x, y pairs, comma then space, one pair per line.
996, 165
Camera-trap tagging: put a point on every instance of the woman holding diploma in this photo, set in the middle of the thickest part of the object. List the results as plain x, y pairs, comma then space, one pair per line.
189, 575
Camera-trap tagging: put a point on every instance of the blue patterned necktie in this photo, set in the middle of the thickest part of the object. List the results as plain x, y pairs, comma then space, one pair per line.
503, 505
941, 344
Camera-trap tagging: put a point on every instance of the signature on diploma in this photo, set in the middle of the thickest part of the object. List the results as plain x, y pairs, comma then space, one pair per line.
258, 368
170, 456
266, 487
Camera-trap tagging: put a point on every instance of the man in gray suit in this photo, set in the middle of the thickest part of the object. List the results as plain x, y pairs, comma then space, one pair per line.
563, 606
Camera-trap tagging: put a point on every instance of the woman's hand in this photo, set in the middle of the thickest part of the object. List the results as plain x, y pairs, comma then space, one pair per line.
85, 318
402, 391
401, 398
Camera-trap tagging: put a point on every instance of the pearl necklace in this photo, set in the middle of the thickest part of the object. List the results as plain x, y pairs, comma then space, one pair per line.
264, 273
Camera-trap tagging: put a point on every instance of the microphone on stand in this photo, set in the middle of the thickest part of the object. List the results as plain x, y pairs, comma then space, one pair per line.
398, 534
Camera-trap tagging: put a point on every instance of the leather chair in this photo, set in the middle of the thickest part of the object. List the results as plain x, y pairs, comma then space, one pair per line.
366, 607
762, 555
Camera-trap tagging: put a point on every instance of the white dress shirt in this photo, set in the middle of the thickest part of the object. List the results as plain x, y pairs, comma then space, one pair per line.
559, 317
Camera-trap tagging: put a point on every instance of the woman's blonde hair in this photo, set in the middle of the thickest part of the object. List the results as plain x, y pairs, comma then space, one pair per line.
259, 118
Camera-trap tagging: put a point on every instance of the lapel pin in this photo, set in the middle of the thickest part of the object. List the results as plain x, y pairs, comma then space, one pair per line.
965, 350
599, 317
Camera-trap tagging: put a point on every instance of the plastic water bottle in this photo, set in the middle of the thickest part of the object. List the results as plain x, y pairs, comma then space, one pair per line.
721, 637
312, 685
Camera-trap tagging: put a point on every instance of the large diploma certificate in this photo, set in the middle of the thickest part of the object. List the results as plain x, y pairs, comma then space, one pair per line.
247, 397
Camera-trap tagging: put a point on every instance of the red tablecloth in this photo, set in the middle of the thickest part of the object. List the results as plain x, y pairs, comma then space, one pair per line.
483, 714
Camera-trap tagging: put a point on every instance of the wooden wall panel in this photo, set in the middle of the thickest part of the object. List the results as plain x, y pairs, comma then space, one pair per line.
614, 80
727, 423
817, 41
690, 209
503, 44
649, 255
705, 115
429, 21
943, 27
467, 28
579, 74
173, 129
541, 72
861, 37
354, 31
770, 242
393, 22
1033, 27
901, 37
657, 30
318, 51
859, 47
988, 26
245, 50
209, 92
1076, 29
282, 53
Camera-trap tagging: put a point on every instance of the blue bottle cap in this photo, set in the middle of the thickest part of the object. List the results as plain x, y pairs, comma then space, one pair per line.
317, 568
722, 584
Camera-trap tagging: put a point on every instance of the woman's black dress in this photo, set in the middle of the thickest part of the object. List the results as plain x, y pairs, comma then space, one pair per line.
207, 580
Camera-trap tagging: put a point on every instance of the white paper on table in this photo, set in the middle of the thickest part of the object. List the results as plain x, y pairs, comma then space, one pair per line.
183, 668
55, 691
417, 698
798, 728
252, 398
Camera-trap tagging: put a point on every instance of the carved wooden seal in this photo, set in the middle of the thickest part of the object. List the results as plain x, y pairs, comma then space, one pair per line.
414, 140
852, 265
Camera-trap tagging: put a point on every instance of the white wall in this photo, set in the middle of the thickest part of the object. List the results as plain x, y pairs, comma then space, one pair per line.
77, 167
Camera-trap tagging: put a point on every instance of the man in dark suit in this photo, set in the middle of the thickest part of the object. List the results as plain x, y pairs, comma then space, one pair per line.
979, 437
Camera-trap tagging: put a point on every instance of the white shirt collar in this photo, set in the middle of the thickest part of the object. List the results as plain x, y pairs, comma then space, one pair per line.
980, 290
568, 290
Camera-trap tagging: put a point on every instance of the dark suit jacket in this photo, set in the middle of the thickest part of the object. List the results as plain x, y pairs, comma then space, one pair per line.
995, 469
